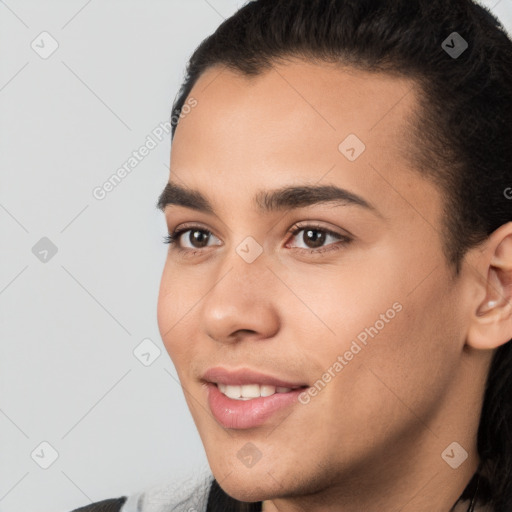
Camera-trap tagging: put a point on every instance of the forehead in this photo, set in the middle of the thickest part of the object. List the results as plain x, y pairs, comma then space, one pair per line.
334, 98
295, 123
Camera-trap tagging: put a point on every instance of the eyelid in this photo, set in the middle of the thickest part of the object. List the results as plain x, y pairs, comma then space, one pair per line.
299, 226
343, 239
171, 238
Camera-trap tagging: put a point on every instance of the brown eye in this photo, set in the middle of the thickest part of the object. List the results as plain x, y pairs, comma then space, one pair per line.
314, 238
198, 238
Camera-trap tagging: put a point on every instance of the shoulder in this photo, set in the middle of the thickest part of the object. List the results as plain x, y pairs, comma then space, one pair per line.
186, 493
110, 505
183, 494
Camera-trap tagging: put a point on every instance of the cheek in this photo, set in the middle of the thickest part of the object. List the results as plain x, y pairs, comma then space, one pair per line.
165, 305
409, 363
173, 311
393, 329
333, 306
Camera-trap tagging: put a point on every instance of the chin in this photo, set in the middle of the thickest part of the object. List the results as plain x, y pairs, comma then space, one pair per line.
246, 484
249, 490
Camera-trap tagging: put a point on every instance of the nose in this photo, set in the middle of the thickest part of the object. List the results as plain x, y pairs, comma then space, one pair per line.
242, 302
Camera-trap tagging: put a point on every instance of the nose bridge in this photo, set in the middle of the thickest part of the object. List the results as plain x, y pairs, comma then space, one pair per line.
246, 261
242, 296
244, 274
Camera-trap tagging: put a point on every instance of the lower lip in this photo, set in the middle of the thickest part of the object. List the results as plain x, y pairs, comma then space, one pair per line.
241, 414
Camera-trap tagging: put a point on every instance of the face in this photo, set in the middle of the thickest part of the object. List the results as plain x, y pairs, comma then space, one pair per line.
359, 304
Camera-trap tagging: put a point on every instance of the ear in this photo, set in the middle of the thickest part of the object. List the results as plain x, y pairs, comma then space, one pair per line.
491, 320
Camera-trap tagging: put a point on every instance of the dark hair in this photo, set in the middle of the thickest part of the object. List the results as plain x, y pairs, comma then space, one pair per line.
460, 137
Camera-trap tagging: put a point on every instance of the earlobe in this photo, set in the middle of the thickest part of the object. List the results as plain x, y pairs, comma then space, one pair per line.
491, 323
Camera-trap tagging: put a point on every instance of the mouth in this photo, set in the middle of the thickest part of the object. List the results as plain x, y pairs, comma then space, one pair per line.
243, 398
246, 412
247, 379
253, 391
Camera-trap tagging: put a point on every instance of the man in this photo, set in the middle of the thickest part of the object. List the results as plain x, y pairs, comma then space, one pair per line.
337, 293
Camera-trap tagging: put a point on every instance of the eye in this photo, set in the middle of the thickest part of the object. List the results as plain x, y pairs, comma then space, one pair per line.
314, 237
197, 235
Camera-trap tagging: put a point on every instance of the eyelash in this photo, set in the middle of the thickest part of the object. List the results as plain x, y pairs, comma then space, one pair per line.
344, 240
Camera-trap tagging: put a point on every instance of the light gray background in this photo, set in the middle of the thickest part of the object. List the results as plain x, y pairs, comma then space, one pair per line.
69, 326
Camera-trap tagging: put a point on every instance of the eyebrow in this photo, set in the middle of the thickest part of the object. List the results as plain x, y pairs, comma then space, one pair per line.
268, 201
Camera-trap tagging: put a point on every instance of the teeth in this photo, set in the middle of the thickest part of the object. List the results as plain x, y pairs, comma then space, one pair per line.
249, 391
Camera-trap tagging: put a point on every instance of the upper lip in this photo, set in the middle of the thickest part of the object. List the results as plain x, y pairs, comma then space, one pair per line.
241, 376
